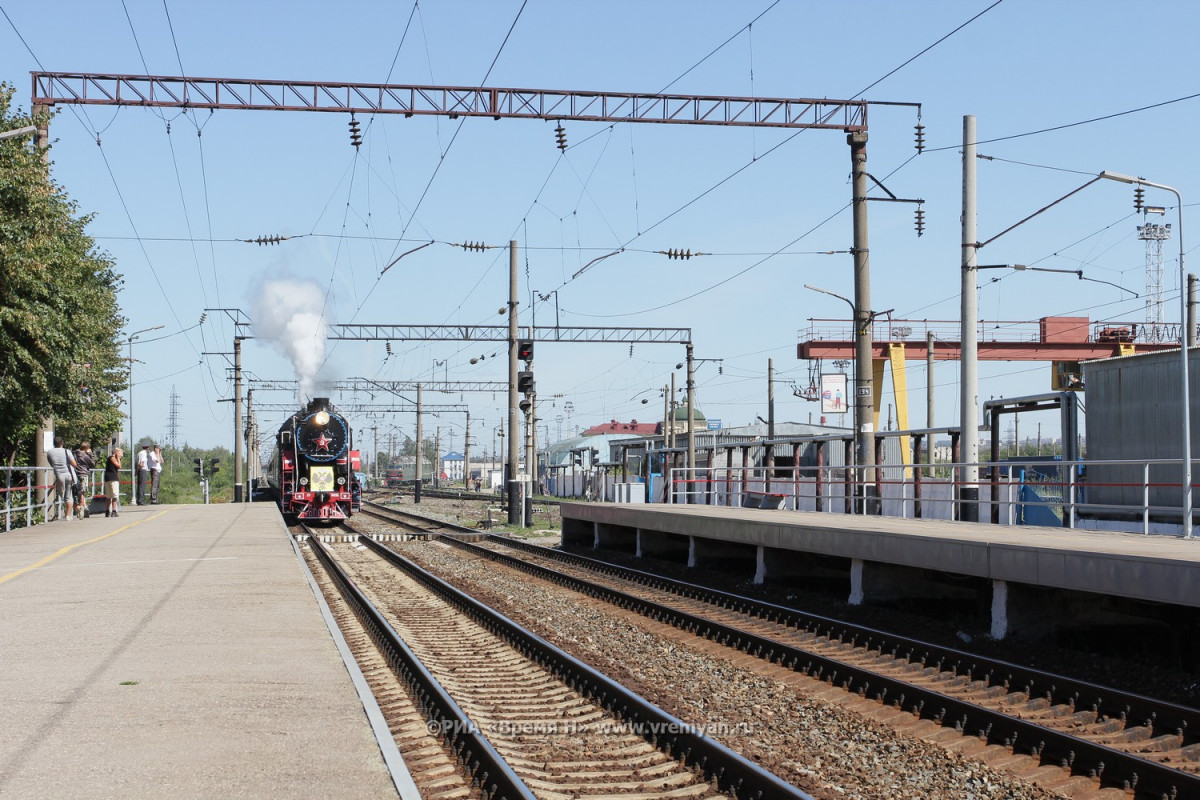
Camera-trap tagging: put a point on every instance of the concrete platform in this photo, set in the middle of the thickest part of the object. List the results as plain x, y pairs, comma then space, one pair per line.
885, 555
175, 651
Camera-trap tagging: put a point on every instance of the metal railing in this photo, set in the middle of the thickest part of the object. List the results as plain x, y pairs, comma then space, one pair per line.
21, 487
1134, 495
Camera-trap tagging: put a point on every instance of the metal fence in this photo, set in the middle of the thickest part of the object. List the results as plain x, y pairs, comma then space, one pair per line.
22, 487
1036, 492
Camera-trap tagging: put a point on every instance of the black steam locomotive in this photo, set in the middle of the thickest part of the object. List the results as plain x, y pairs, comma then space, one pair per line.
315, 466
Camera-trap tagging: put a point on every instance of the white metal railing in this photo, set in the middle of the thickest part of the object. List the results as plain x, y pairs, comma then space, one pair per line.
1035, 492
21, 487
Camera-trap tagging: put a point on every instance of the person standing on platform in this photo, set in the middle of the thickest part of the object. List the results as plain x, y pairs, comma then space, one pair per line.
84, 464
63, 465
112, 482
142, 467
156, 464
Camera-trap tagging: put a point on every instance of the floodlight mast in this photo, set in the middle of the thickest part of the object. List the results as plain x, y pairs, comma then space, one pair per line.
1184, 338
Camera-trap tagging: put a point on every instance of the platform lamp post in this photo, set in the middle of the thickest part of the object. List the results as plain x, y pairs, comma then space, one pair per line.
132, 441
1184, 389
864, 404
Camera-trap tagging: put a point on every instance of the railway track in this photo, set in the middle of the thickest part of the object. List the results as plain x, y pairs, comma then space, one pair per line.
1100, 736
527, 719
1114, 739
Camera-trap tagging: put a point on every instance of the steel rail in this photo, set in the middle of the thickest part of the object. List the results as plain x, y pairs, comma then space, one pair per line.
490, 772
1124, 770
382, 512
668, 733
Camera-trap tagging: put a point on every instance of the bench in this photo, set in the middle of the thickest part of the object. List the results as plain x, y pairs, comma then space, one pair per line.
772, 500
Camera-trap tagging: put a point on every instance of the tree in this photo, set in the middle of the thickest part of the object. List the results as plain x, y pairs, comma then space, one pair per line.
59, 355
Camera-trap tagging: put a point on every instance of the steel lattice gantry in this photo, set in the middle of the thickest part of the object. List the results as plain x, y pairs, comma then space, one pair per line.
499, 333
848, 116
367, 385
368, 408
83, 88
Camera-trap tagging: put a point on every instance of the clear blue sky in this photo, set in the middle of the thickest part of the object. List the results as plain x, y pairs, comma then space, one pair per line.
167, 203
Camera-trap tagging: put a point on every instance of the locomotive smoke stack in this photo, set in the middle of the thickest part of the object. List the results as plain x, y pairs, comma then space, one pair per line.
319, 404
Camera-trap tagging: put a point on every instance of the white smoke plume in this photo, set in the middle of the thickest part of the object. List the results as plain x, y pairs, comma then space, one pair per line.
289, 313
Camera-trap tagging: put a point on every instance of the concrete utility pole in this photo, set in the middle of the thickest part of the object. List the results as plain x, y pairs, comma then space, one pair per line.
467, 453
968, 337
691, 436
514, 422
45, 432
420, 450
929, 392
375, 455
771, 413
864, 425
237, 419
247, 436
672, 443
1191, 310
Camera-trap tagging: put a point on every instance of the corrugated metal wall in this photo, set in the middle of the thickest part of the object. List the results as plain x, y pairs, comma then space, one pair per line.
1134, 412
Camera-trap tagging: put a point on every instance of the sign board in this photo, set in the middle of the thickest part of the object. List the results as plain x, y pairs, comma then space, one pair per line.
522, 477
714, 424
833, 393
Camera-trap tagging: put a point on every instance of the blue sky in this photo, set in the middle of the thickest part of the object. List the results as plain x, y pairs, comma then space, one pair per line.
765, 204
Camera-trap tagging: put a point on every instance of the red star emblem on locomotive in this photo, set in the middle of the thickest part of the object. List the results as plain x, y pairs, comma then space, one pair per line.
322, 442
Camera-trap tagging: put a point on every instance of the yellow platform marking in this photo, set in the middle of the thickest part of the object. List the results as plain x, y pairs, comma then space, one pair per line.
63, 551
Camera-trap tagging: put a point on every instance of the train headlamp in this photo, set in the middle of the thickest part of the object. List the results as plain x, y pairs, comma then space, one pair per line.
341, 481
304, 481
321, 418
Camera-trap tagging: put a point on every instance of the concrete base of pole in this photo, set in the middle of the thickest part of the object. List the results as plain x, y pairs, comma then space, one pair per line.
515, 503
528, 512
968, 505
237, 493
417, 492
871, 504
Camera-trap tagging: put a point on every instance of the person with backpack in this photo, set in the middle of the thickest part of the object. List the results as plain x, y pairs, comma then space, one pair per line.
84, 464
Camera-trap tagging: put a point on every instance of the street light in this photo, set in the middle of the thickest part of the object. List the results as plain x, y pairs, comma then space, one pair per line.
1183, 349
864, 404
132, 441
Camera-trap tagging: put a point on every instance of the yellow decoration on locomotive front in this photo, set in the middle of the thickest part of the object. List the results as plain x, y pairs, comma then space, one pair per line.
320, 479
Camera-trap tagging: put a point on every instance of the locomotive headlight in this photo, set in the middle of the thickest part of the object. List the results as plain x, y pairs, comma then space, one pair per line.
304, 481
341, 481
322, 418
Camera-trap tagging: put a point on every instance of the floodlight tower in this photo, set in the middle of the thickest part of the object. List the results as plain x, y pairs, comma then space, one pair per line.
1154, 235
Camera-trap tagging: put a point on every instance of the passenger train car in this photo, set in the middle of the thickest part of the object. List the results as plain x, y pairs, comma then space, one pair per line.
314, 468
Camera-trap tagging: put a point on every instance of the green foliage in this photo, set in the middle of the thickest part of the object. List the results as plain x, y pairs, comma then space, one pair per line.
58, 307
181, 484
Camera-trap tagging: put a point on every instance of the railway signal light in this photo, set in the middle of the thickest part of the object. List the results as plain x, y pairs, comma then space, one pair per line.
214, 469
525, 349
199, 468
525, 382
525, 405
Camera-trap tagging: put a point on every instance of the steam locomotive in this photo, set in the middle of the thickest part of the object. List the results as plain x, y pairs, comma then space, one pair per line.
314, 467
